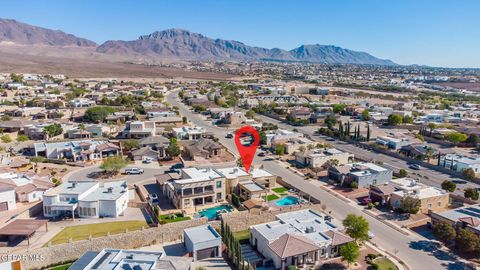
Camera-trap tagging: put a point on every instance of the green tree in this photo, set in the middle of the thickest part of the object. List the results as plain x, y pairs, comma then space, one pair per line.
473, 139
431, 126
444, 231
471, 193
6, 118
250, 114
184, 120
395, 119
356, 227
6, 138
407, 119
131, 144
366, 115
338, 108
113, 164
449, 186
22, 138
410, 205
173, 150
263, 137
456, 137
467, 241
280, 149
402, 173
468, 173
53, 130
349, 253
330, 121
97, 114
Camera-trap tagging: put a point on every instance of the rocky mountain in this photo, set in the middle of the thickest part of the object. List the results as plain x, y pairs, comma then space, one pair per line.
183, 44
17, 33
171, 44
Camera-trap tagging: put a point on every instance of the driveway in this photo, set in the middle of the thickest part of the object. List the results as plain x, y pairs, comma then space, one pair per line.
88, 173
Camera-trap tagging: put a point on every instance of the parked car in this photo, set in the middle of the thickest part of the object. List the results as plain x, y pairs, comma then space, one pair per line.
459, 181
134, 171
229, 136
147, 160
415, 167
262, 154
365, 201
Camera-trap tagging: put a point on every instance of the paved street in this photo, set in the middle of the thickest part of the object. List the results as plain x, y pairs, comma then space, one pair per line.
414, 250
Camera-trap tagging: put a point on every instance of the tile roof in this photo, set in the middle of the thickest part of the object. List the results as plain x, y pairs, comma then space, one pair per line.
338, 238
291, 245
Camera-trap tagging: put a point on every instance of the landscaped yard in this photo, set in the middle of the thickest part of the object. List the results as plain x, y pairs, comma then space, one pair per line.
272, 197
242, 235
280, 190
83, 232
61, 267
169, 218
385, 264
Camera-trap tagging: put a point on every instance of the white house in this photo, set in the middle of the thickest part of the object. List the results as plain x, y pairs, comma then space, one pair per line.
298, 238
7, 198
189, 133
203, 242
87, 199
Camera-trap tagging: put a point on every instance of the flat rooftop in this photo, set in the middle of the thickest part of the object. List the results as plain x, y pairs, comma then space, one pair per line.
201, 234
72, 188
200, 173
110, 191
232, 172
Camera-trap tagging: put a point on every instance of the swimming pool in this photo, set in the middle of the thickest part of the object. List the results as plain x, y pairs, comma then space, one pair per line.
288, 200
211, 213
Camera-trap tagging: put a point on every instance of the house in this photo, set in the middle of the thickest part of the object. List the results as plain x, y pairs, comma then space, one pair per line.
120, 116
392, 142
28, 186
196, 187
113, 259
145, 153
293, 145
252, 185
82, 103
297, 238
431, 198
418, 151
202, 242
157, 143
86, 199
139, 129
363, 174
300, 113
189, 133
90, 131
167, 121
203, 149
160, 113
465, 217
459, 163
317, 158
7, 198
80, 150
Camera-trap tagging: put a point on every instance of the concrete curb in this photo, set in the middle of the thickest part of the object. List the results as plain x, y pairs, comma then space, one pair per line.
395, 227
390, 256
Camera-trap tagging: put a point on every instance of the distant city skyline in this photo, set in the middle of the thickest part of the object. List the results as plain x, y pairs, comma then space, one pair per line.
430, 32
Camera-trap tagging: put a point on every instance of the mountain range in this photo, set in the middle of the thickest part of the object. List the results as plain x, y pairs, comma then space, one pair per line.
173, 44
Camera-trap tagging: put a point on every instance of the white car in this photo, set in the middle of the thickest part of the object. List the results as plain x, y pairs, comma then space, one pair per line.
133, 171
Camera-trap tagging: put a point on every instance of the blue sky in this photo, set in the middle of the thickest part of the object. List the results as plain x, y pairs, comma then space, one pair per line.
431, 32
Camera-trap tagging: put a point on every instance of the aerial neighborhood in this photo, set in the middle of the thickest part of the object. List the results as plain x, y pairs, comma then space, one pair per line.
176, 151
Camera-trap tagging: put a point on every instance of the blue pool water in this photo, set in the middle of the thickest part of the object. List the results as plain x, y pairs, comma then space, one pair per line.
211, 213
289, 200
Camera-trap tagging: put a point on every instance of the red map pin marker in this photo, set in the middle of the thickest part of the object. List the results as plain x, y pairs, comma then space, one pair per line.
248, 148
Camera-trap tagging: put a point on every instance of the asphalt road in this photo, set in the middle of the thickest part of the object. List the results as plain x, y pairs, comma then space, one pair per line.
424, 175
416, 251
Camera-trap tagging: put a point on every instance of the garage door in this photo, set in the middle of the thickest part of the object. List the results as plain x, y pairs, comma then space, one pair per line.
3, 206
206, 253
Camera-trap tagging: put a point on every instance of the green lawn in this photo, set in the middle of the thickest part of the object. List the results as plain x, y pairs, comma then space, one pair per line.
175, 218
385, 264
242, 235
82, 232
280, 190
272, 197
61, 267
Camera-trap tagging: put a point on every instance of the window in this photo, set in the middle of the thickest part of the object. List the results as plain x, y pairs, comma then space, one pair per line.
429, 206
219, 196
219, 184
